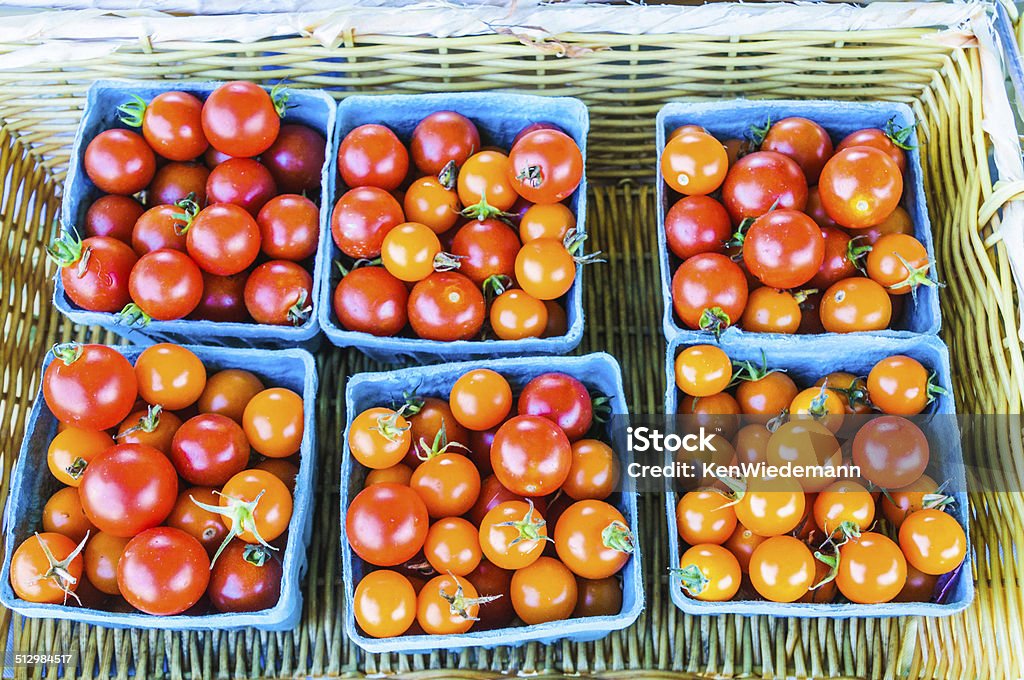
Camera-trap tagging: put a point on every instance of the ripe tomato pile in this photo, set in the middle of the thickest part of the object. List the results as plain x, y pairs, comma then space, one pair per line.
447, 240
479, 509
164, 507
209, 212
786, 233
883, 537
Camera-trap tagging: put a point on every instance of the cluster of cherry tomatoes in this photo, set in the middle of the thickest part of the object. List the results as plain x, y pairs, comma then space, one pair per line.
452, 240
209, 212
786, 233
164, 509
879, 538
480, 509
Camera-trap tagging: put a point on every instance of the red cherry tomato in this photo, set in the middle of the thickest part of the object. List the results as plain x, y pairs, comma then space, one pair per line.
119, 162
836, 264
545, 166
95, 272
209, 449
386, 524
697, 224
860, 187
127, 489
172, 125
242, 182
279, 292
560, 398
372, 156
891, 451
443, 137
160, 227
804, 141
223, 239
241, 119
362, 218
878, 139
296, 159
783, 249
223, 299
446, 306
761, 180
709, 291
163, 571
371, 300
531, 456
175, 181
246, 578
89, 386
491, 581
486, 248
114, 216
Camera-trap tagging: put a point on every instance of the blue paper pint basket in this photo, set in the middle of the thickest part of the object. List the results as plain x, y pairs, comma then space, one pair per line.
313, 108
499, 117
807, 360
733, 119
32, 484
599, 372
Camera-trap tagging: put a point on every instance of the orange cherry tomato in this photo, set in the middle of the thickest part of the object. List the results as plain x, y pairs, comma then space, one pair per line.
900, 385
550, 220
703, 370
102, 553
593, 539
384, 604
513, 535
933, 541
710, 573
820, 403
845, 501
453, 546
770, 506
742, 544
396, 474
545, 269
694, 163
484, 178
273, 421
771, 311
63, 514
515, 314
49, 578
900, 502
428, 202
447, 605
855, 304
228, 392
379, 438
705, 516
806, 443
170, 375
544, 591
410, 251
782, 569
900, 263
257, 506
872, 569
765, 397
480, 399
153, 427
594, 472
72, 449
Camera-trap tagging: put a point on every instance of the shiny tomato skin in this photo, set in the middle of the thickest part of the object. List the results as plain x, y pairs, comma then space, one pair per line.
242, 182
531, 456
62, 514
491, 580
372, 156
581, 542
228, 392
119, 162
598, 597
98, 281
446, 306
271, 514
933, 541
560, 398
694, 163
516, 314
371, 300
127, 489
759, 180
386, 524
384, 604
163, 571
102, 553
898, 385
223, 239
544, 591
872, 569
898, 222
223, 299
273, 421
209, 449
205, 526
480, 399
173, 126
428, 202
72, 449
878, 139
279, 293
486, 248
159, 227
30, 564
240, 119
545, 166
175, 181
782, 569
440, 138
453, 546
888, 261
804, 141
170, 375
493, 493
296, 159
448, 484
835, 266
114, 216
594, 473
141, 428
289, 227
697, 224
550, 220
545, 268
771, 311
434, 611
705, 516
245, 578
361, 219
704, 282
783, 249
533, 127
486, 174
891, 451
816, 212
860, 187
855, 304
95, 391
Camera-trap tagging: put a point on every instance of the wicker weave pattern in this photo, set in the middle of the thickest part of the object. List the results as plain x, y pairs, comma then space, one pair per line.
624, 81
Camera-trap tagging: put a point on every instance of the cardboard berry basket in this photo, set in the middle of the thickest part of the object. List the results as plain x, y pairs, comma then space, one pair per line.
601, 374
312, 108
32, 484
805, 361
734, 120
499, 117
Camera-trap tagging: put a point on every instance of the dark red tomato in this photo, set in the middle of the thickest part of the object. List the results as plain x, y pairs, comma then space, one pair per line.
173, 126
158, 228
95, 271
877, 139
697, 224
446, 306
205, 526
480, 449
386, 524
761, 180
296, 159
113, 216
531, 456
489, 248
804, 141
245, 578
492, 581
372, 156
836, 265
223, 299
242, 182
560, 398
119, 162
212, 158
166, 284
545, 166
209, 449
706, 284
89, 386
443, 137
175, 181
816, 211
492, 493
128, 488
223, 239
371, 300
280, 293
362, 218
598, 597
289, 227
810, 319
891, 451
783, 249
241, 119
860, 187
533, 127
163, 571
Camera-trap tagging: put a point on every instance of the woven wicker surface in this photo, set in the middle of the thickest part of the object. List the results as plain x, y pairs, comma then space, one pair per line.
624, 86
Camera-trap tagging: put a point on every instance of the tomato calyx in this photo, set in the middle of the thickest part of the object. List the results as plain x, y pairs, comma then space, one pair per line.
190, 209
855, 254
916, 276
830, 561
446, 262
255, 555
133, 112
532, 176
778, 421
899, 135
693, 579
528, 527
738, 237
818, 408
279, 95
748, 371
132, 315
299, 312
243, 518
388, 427
438, 446
66, 250
68, 352
601, 407
856, 394
714, 320
617, 536
483, 210
459, 604
58, 571
757, 133
449, 175
361, 262
147, 423
496, 284
573, 242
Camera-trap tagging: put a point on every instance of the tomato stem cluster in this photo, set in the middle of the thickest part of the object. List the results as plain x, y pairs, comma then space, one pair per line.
58, 570
617, 536
528, 527
67, 249
132, 315
299, 313
460, 604
693, 579
243, 519
133, 112
147, 423
68, 352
